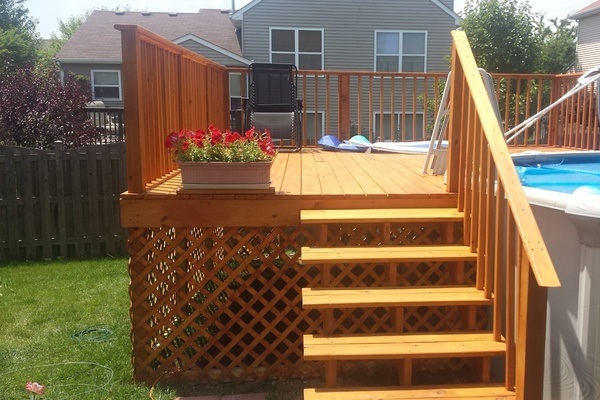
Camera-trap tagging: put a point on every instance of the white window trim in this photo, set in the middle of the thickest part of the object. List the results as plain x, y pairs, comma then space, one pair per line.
400, 50
243, 82
320, 114
119, 85
296, 52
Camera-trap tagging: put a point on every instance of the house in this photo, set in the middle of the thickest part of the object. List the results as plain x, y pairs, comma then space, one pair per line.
376, 36
381, 35
588, 36
353, 35
94, 50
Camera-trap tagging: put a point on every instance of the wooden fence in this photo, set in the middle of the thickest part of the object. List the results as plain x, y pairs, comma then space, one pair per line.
61, 203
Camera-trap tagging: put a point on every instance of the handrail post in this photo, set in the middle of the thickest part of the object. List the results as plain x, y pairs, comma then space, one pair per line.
531, 330
344, 106
455, 123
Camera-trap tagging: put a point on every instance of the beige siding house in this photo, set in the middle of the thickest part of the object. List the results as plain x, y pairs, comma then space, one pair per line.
588, 36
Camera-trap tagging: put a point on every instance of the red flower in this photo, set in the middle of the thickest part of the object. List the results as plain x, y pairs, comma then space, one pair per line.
198, 138
232, 137
171, 140
249, 135
215, 136
217, 145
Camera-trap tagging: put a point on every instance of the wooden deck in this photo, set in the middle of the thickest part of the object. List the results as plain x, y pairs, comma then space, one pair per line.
309, 179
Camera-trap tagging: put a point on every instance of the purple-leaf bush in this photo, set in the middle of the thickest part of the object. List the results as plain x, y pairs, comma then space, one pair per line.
36, 109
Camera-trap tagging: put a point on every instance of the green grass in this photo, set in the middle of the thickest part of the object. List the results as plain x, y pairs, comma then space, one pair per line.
65, 324
44, 306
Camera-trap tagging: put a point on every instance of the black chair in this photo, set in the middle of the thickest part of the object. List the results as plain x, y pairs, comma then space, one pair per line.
272, 104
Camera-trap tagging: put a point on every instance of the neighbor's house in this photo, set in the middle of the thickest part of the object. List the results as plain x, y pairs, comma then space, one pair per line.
94, 50
349, 35
588, 36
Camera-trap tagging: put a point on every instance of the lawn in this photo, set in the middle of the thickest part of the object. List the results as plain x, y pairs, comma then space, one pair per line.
65, 325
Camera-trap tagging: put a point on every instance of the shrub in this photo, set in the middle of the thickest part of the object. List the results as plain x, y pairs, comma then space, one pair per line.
38, 109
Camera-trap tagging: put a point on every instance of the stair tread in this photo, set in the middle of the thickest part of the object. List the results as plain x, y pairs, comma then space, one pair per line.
408, 345
387, 254
463, 392
381, 215
392, 296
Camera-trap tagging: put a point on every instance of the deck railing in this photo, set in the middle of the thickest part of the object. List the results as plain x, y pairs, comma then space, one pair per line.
402, 106
514, 265
192, 93
576, 120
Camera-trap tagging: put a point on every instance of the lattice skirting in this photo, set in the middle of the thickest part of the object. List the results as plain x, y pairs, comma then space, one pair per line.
224, 304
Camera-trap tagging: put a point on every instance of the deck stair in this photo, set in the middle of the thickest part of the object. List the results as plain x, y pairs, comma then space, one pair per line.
331, 346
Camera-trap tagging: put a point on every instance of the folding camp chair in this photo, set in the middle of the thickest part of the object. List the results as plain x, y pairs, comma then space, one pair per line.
272, 104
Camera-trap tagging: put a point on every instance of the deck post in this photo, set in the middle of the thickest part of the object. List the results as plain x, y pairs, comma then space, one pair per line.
531, 330
455, 122
344, 106
134, 141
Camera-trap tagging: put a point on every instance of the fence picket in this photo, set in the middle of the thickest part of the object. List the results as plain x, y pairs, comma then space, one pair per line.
61, 203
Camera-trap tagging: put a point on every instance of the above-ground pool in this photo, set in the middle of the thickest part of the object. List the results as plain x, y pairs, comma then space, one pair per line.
559, 172
564, 192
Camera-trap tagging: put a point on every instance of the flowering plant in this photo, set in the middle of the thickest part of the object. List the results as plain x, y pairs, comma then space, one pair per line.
216, 145
35, 389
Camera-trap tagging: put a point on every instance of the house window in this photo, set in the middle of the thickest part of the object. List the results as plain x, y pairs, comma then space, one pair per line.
407, 128
301, 47
311, 135
400, 51
106, 85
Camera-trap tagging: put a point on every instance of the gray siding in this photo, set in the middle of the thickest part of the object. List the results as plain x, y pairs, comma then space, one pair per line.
85, 70
211, 54
349, 28
588, 42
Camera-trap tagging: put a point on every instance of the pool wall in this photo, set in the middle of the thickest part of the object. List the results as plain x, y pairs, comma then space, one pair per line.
570, 226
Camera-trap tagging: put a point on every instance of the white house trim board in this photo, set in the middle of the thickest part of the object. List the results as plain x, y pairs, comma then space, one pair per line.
212, 46
91, 60
457, 18
238, 15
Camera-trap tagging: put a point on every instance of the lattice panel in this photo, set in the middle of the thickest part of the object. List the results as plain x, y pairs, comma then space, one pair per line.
224, 304
219, 304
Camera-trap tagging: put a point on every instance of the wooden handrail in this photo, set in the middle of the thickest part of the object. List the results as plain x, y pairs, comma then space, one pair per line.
514, 266
528, 230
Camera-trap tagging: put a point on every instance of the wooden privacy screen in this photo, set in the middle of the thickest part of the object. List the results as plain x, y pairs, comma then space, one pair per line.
224, 304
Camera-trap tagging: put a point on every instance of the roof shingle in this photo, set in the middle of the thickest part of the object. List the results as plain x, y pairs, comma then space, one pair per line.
97, 38
590, 9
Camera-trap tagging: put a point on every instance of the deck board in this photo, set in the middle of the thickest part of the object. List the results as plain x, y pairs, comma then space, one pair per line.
313, 172
309, 179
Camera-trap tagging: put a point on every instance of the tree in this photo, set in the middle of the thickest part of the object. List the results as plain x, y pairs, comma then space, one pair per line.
66, 29
506, 36
559, 47
19, 41
502, 34
36, 109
